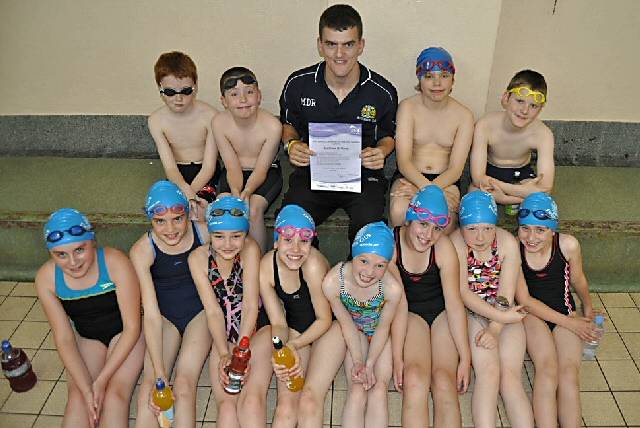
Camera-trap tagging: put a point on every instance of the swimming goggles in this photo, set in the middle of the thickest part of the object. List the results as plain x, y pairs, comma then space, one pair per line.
424, 214
539, 214
231, 82
428, 66
77, 230
160, 209
235, 212
288, 232
523, 91
168, 92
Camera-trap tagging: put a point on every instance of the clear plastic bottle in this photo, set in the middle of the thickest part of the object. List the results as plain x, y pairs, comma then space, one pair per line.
589, 350
163, 398
283, 355
17, 368
237, 368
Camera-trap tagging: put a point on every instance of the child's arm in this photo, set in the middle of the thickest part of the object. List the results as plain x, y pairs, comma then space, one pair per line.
393, 292
570, 247
398, 329
64, 338
447, 261
478, 158
373, 157
210, 156
228, 154
142, 257
250, 258
270, 300
459, 152
267, 154
404, 147
166, 157
315, 268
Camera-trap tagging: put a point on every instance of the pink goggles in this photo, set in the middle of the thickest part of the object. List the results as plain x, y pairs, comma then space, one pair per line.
289, 232
163, 209
424, 214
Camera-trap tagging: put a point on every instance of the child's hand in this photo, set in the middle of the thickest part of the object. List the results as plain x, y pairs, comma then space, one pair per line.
398, 372
369, 377
152, 406
245, 195
405, 189
486, 184
299, 153
358, 372
463, 376
486, 339
512, 315
582, 327
223, 377
372, 158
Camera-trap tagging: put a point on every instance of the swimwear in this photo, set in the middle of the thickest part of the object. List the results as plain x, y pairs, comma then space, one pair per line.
510, 175
365, 315
297, 305
484, 277
430, 177
189, 171
176, 292
423, 290
551, 284
270, 189
229, 295
94, 311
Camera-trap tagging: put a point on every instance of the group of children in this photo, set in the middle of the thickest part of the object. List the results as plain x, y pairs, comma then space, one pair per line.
418, 303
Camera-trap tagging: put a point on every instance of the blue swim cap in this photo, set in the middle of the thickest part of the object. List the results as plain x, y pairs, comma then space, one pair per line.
220, 214
539, 209
434, 59
293, 215
431, 198
164, 193
478, 207
374, 238
60, 224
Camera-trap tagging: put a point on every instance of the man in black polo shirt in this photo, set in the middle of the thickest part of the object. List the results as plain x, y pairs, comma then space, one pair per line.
339, 90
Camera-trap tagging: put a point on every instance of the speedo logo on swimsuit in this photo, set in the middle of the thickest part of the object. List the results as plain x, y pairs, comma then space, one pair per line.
307, 102
368, 113
106, 285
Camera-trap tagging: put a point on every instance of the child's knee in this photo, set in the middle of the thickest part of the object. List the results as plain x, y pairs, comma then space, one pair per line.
310, 403
357, 395
569, 372
256, 213
547, 368
415, 378
443, 382
286, 409
184, 387
252, 400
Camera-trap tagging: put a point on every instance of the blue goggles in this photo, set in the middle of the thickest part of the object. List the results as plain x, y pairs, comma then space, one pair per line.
57, 235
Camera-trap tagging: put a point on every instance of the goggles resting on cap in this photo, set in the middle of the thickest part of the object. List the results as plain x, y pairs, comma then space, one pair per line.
77, 230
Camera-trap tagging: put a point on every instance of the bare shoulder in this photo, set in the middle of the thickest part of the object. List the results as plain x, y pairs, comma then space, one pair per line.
445, 250
392, 287
569, 245
222, 119
45, 276
507, 243
456, 239
409, 103
541, 133
316, 264
115, 258
141, 248
156, 118
489, 120
463, 112
205, 110
250, 251
199, 253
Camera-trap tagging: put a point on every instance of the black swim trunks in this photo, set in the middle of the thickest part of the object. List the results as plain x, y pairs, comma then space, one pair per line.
430, 177
269, 190
511, 175
190, 170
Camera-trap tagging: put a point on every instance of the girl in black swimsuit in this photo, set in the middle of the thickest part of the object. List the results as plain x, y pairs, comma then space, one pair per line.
551, 265
291, 289
426, 261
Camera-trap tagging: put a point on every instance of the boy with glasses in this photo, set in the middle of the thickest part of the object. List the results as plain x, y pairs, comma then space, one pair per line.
248, 138
503, 142
181, 130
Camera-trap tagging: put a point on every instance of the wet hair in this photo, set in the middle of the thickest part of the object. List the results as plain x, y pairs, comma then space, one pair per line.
177, 64
235, 73
532, 79
340, 17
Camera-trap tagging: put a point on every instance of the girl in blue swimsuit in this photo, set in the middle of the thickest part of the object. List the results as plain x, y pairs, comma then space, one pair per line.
175, 326
489, 266
364, 297
291, 290
436, 350
226, 275
551, 265
101, 348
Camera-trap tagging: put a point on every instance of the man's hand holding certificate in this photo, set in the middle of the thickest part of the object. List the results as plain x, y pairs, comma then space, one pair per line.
336, 165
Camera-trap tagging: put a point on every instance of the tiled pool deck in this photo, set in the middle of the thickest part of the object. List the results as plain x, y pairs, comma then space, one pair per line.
610, 386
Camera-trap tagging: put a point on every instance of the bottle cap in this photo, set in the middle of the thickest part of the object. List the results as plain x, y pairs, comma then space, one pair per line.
6, 346
599, 319
159, 384
244, 342
277, 342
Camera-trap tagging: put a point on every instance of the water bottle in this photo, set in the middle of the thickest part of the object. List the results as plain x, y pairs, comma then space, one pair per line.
17, 368
589, 350
163, 398
284, 356
511, 209
238, 366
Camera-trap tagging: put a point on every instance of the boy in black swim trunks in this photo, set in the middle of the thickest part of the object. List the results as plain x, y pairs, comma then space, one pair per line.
181, 130
503, 142
248, 138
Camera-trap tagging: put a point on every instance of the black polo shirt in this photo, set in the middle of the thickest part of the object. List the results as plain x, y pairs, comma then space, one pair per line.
307, 98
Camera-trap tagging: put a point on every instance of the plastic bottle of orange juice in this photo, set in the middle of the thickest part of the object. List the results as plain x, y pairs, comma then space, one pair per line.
163, 398
284, 356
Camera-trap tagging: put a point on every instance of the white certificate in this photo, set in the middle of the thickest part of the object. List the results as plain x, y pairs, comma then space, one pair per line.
336, 165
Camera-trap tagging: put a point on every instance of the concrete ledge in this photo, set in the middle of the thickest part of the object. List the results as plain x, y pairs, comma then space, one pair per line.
578, 143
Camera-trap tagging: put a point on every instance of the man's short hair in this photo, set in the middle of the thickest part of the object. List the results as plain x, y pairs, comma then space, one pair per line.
532, 79
177, 64
340, 17
236, 73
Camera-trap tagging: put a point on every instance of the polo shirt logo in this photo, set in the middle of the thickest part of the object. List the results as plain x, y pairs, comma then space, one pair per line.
308, 102
368, 113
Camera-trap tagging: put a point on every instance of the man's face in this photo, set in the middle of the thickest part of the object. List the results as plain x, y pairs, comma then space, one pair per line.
179, 102
341, 50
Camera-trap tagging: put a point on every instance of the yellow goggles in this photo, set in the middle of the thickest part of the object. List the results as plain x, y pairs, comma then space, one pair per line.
523, 91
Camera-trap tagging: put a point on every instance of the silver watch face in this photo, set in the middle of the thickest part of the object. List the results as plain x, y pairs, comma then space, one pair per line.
502, 301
